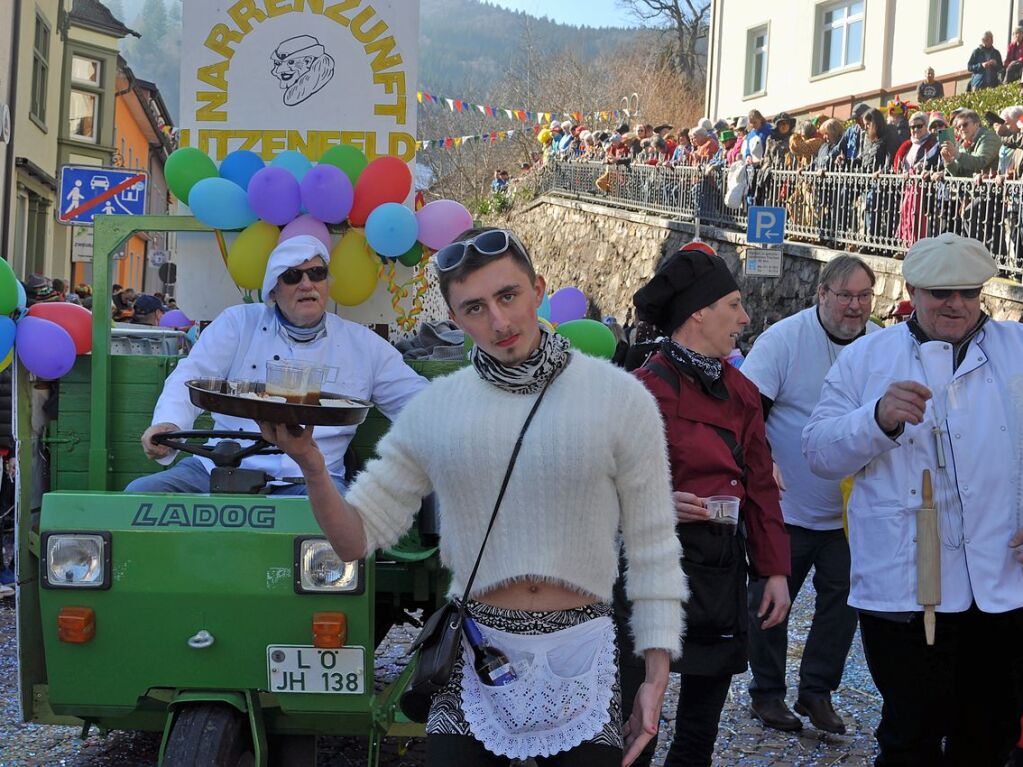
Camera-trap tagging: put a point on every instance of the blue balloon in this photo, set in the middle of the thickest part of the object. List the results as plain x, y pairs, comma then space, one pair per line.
7, 334
293, 161
22, 298
391, 229
221, 204
545, 307
240, 166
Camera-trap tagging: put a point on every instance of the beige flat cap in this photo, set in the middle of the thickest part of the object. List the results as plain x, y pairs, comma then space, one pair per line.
948, 261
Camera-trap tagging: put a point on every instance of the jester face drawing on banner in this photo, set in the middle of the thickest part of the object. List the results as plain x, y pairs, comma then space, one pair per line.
302, 66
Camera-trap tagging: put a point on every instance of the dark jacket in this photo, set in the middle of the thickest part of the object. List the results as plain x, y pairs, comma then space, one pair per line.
984, 77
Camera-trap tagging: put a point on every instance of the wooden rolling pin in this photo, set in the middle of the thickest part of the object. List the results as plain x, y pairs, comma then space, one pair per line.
928, 558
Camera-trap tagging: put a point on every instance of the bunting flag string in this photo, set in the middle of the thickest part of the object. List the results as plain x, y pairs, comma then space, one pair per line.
453, 142
520, 115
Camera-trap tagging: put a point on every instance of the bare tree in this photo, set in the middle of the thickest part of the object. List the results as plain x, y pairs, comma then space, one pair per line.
688, 21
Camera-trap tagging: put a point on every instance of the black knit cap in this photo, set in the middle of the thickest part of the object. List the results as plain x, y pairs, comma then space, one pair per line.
687, 281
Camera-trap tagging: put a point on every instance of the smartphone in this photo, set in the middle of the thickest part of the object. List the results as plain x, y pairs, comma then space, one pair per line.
993, 118
946, 134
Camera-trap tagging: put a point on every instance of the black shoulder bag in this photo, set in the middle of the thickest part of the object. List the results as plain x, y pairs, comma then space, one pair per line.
440, 640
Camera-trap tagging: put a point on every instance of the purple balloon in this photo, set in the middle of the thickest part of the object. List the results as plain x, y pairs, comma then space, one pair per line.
441, 221
274, 195
175, 318
306, 224
44, 347
567, 304
327, 193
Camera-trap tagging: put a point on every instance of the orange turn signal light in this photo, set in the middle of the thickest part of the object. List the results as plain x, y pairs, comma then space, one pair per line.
76, 624
330, 630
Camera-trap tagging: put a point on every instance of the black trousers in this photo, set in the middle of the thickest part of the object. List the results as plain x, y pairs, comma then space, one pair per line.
954, 704
466, 751
700, 702
831, 631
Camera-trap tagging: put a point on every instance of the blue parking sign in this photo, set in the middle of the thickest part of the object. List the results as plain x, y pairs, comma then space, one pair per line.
765, 226
87, 191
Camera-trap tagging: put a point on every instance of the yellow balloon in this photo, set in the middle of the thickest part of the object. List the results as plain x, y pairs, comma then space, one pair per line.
6, 361
354, 267
246, 260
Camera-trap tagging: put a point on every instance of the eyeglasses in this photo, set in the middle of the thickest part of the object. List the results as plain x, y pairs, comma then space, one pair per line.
917, 126
844, 297
942, 293
937, 126
493, 242
293, 276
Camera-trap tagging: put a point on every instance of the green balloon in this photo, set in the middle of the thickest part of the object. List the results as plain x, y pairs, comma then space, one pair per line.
589, 337
346, 157
8, 288
412, 256
185, 168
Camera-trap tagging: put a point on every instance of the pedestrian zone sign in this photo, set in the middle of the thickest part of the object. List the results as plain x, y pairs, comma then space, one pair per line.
765, 226
87, 192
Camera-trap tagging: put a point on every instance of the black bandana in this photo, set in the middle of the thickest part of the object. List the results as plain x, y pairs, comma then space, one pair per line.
706, 370
530, 376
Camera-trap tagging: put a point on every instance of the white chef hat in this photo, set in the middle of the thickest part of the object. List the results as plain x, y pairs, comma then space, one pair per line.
292, 252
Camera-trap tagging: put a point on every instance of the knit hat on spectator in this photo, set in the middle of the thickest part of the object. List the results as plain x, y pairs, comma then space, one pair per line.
39, 290
687, 281
935, 116
721, 125
948, 261
918, 116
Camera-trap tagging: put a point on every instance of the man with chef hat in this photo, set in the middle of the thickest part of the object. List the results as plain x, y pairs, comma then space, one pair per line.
942, 392
293, 325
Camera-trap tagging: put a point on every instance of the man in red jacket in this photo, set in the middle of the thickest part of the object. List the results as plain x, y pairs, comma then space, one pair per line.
716, 447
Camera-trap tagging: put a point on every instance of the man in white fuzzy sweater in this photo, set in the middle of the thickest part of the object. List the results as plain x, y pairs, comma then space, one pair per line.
593, 463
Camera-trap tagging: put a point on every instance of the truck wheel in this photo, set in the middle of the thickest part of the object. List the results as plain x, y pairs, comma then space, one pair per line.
209, 735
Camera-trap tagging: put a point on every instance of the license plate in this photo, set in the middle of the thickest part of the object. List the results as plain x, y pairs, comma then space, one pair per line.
303, 668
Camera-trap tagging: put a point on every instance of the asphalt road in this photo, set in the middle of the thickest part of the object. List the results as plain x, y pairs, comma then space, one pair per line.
742, 742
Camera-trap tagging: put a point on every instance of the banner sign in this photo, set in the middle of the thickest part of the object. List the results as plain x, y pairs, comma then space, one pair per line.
276, 75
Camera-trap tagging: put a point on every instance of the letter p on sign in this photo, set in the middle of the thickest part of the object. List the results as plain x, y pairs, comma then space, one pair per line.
765, 226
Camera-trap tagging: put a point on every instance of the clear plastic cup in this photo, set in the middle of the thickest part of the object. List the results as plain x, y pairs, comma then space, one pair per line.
724, 510
298, 382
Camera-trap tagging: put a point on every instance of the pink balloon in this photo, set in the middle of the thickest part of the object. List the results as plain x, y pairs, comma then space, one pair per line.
568, 304
44, 347
441, 221
306, 224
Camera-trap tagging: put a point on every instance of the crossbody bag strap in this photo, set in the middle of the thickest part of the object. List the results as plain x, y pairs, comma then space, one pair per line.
504, 487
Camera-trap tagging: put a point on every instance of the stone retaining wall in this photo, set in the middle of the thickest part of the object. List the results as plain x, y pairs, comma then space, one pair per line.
609, 253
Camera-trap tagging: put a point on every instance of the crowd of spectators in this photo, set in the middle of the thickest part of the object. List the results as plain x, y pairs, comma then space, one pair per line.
126, 305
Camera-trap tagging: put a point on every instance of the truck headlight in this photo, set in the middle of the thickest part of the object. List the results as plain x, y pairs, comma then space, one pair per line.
318, 569
76, 560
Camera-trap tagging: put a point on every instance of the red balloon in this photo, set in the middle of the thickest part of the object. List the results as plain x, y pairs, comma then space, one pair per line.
386, 179
75, 319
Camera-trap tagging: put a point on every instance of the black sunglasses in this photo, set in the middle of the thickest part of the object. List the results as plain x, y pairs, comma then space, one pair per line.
293, 276
942, 293
494, 242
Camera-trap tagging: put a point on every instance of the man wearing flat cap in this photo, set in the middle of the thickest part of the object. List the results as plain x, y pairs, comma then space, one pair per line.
716, 447
943, 393
293, 324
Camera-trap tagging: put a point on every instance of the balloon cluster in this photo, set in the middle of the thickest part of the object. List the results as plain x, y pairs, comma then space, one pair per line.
290, 196
564, 312
48, 337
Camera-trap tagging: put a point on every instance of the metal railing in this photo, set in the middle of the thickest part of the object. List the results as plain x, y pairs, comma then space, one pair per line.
877, 214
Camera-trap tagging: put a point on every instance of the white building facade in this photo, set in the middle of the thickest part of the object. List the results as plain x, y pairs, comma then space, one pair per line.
813, 57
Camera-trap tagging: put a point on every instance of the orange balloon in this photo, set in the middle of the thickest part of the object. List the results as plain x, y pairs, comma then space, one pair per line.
75, 319
386, 179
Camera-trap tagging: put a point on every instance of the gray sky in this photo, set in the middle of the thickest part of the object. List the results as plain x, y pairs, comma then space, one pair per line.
590, 13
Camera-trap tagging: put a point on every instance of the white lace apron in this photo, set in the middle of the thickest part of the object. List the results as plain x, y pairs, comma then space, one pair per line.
562, 696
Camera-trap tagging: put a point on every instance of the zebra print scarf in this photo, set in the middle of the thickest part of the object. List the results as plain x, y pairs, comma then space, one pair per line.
529, 377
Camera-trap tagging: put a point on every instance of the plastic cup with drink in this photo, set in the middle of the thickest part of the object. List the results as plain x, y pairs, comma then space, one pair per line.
724, 510
299, 382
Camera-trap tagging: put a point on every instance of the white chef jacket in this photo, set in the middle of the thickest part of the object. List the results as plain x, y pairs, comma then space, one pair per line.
983, 400
788, 363
238, 344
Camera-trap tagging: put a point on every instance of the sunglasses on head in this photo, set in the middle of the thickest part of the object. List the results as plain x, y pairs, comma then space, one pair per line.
494, 242
293, 276
942, 293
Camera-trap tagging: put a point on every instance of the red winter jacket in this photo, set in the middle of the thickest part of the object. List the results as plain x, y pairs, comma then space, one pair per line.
702, 463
